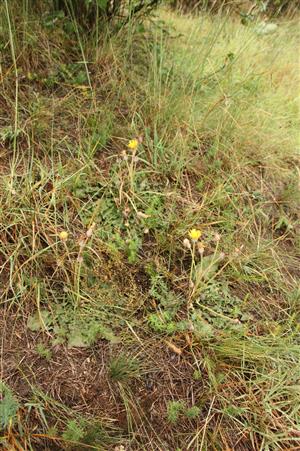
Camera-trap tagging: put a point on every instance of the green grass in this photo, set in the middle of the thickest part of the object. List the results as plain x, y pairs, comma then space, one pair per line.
119, 334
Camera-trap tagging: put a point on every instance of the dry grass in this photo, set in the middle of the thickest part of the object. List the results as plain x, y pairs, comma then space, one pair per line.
99, 345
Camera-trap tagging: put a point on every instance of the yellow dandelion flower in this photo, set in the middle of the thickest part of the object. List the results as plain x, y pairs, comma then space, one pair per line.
195, 234
63, 235
133, 144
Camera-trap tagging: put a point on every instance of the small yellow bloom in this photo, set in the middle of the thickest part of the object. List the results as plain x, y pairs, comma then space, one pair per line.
63, 235
195, 234
133, 144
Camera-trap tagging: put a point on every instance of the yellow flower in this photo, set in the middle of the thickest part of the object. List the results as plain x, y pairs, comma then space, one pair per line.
63, 235
195, 234
133, 144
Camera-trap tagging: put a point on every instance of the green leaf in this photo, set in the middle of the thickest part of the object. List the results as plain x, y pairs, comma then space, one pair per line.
8, 406
208, 267
81, 336
73, 433
193, 412
174, 409
102, 4
40, 320
108, 334
202, 329
77, 340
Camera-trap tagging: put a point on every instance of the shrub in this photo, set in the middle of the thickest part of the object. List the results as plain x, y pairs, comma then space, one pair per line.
87, 12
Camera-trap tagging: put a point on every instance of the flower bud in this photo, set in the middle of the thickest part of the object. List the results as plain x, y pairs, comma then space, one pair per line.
89, 232
186, 243
63, 235
200, 247
222, 255
217, 237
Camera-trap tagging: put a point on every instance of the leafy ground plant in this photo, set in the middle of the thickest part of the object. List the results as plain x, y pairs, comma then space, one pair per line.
8, 407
